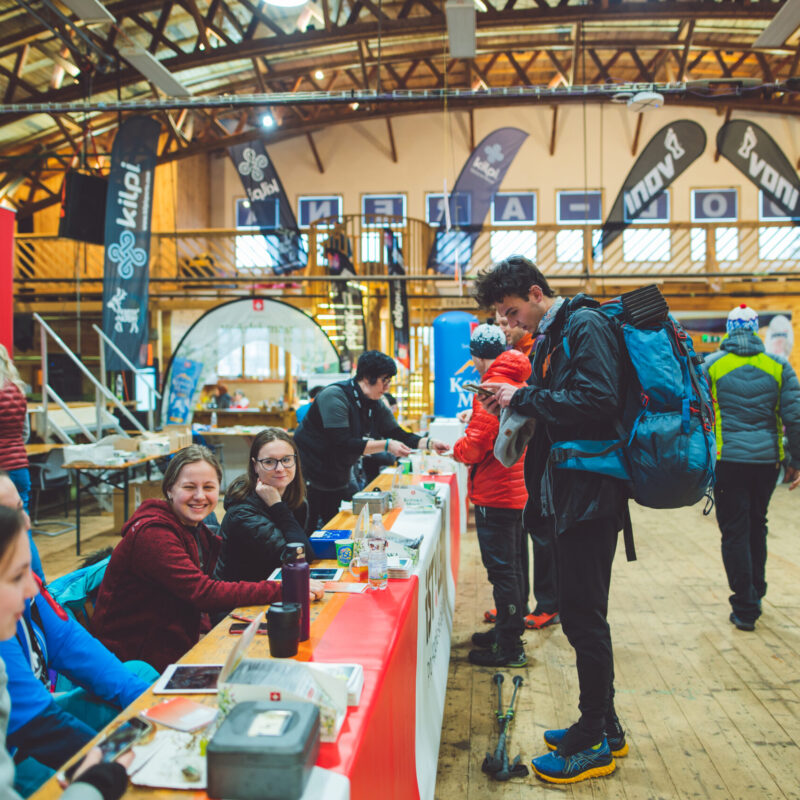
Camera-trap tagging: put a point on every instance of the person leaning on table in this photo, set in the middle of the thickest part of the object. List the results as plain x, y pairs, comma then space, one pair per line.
348, 420
158, 586
17, 585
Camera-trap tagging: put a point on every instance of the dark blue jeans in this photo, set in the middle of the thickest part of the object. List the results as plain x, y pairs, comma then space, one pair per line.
499, 536
741, 495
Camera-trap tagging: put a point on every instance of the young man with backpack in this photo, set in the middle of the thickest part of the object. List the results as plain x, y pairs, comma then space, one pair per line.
577, 393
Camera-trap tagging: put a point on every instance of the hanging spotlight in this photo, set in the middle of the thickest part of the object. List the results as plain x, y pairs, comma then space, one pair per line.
319, 74
267, 120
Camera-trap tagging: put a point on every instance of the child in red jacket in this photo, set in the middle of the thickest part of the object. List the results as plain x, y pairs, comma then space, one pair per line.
498, 494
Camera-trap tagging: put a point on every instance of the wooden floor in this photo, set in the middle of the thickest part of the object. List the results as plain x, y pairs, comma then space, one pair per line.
710, 711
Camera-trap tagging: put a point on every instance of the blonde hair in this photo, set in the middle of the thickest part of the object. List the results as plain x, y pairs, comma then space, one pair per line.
8, 372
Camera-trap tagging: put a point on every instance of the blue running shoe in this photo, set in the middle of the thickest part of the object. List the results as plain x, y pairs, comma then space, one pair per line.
615, 738
593, 762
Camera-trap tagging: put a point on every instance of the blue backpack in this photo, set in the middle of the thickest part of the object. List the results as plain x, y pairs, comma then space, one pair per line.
666, 450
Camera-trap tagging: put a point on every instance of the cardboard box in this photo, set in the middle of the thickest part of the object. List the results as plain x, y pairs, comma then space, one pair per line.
138, 492
180, 436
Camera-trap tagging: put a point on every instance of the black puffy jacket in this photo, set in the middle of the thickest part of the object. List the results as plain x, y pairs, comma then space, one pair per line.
254, 536
576, 396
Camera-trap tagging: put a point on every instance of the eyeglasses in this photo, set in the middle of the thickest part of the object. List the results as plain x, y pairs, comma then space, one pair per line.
272, 463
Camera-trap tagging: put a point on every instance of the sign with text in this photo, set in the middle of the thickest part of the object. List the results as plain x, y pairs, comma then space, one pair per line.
246, 217
656, 211
459, 208
579, 208
376, 207
768, 211
514, 208
313, 209
715, 205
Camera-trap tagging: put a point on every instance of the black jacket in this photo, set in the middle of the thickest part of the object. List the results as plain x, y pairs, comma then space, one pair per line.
332, 436
254, 536
575, 397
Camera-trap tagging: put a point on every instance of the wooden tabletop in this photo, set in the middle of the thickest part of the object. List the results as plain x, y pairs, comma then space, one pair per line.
41, 448
140, 459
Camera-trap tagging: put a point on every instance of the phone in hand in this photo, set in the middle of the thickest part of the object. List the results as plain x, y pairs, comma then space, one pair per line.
241, 627
477, 389
116, 743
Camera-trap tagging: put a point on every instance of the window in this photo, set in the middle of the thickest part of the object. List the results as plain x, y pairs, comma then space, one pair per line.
569, 245
779, 243
646, 244
372, 245
512, 243
727, 243
230, 346
256, 251
697, 244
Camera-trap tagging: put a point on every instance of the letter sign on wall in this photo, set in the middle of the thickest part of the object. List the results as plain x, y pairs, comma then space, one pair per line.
514, 208
715, 205
772, 212
312, 209
655, 211
383, 205
579, 208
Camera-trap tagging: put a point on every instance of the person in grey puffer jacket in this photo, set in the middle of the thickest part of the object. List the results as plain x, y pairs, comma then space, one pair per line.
755, 395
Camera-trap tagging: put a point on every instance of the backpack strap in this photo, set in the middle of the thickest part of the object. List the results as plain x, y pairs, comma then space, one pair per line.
627, 535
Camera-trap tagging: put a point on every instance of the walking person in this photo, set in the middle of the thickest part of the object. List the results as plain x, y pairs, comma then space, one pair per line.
576, 394
498, 494
755, 395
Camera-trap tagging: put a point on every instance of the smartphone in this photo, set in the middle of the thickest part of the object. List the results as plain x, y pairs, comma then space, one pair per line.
241, 627
117, 742
476, 389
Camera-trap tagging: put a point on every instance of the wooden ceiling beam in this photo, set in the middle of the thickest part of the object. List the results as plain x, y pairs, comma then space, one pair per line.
687, 46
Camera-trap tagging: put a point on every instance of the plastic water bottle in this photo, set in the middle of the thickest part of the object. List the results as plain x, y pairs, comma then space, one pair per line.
295, 576
377, 560
213, 419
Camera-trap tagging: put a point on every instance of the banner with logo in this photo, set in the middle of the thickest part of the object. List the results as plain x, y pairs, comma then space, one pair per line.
346, 300
756, 154
182, 386
666, 156
269, 207
129, 205
471, 199
398, 298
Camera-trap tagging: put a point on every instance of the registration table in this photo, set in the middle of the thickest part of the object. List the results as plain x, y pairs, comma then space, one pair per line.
388, 745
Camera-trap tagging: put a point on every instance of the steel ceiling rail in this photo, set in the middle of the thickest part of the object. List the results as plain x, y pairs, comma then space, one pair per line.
708, 89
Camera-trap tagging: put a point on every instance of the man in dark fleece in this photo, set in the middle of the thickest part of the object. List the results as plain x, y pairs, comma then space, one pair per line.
576, 393
348, 420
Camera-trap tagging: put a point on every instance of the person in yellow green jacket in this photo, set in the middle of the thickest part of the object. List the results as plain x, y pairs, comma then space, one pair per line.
756, 396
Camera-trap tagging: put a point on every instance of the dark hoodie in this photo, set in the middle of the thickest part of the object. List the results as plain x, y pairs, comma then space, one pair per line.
157, 586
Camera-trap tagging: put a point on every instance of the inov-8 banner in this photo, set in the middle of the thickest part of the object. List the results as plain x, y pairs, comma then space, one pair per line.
126, 271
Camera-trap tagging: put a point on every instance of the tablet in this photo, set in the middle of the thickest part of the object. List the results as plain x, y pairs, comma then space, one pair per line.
315, 573
188, 679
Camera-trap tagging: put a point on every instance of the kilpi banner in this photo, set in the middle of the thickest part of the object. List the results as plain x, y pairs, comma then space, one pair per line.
398, 298
126, 272
269, 206
472, 194
755, 153
666, 156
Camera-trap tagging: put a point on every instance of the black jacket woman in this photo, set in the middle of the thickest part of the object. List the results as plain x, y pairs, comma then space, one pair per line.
265, 509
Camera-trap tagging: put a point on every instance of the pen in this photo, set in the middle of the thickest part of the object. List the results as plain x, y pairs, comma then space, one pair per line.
240, 617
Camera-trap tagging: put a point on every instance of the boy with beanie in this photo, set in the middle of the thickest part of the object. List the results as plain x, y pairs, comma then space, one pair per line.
498, 494
755, 395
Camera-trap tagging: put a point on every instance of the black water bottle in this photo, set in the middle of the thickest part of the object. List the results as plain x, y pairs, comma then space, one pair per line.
295, 576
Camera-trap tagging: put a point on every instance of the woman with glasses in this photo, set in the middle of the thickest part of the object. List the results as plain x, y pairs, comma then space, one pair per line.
265, 509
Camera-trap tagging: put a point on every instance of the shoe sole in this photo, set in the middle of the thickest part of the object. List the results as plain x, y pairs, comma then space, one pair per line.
621, 753
533, 627
595, 772
515, 665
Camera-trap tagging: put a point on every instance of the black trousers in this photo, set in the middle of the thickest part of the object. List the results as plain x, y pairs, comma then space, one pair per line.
499, 534
741, 496
545, 583
323, 504
584, 554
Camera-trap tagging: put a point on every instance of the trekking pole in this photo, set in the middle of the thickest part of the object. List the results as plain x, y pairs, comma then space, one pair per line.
494, 763
516, 769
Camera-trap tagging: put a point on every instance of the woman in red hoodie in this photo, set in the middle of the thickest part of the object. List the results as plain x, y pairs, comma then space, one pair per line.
157, 588
498, 494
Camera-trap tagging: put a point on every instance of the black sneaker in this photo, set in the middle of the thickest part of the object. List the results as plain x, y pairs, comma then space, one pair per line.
742, 624
495, 657
614, 735
484, 639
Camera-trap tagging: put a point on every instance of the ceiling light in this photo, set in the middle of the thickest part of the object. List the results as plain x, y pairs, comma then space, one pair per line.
153, 70
267, 121
319, 74
783, 25
89, 10
354, 106
461, 28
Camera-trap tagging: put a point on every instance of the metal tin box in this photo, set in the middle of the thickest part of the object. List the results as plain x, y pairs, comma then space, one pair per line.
264, 751
377, 502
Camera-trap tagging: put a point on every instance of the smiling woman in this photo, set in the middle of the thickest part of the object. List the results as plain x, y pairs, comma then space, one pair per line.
159, 581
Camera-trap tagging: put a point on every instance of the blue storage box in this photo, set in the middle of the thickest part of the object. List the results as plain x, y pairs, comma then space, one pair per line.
324, 542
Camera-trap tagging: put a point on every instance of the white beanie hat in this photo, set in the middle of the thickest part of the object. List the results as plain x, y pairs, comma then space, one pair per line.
742, 317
